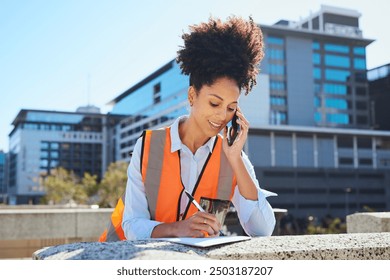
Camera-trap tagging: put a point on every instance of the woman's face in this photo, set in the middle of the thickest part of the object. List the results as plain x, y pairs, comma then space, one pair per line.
214, 106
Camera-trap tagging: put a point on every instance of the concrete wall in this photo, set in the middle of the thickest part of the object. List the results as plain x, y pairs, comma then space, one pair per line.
368, 222
23, 231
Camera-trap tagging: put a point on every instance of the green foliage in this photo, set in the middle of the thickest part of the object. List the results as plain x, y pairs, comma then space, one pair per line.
90, 185
329, 226
65, 187
113, 184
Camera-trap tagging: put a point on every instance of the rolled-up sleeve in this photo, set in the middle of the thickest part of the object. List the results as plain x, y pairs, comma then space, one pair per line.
256, 216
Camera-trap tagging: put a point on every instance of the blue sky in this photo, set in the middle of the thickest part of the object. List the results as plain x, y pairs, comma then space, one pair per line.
59, 55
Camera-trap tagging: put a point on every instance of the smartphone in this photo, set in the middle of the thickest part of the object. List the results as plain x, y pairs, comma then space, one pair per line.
233, 130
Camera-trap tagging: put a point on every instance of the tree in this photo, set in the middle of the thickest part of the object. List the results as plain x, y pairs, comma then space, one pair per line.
91, 186
63, 187
329, 225
113, 184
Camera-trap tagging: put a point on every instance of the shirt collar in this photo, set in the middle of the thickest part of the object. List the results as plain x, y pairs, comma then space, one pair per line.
176, 143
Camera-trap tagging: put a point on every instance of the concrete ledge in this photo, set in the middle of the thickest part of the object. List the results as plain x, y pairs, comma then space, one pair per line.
52, 223
23, 231
368, 222
361, 246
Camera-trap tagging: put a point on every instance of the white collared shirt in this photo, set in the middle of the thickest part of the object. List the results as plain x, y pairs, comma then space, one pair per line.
256, 217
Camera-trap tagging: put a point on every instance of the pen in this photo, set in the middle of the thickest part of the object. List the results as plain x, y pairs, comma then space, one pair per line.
192, 199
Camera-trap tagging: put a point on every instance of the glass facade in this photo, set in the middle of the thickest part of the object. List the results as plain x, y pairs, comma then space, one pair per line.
343, 68
79, 157
275, 55
32, 120
154, 102
2, 174
319, 149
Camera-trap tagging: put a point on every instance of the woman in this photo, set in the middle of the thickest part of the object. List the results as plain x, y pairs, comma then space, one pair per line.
221, 59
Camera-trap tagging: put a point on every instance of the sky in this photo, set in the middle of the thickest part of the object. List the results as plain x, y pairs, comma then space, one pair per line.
59, 55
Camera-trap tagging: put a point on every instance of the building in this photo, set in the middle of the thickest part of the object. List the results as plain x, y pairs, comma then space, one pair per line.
82, 141
310, 137
3, 179
321, 171
379, 86
329, 50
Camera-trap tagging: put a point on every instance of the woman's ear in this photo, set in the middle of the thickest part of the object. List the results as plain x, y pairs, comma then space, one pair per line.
191, 95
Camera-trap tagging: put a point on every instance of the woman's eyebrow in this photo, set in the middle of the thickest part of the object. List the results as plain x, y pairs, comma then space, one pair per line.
219, 97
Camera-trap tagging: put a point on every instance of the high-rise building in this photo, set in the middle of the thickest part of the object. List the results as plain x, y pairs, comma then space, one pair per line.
317, 70
3, 182
309, 139
81, 141
379, 86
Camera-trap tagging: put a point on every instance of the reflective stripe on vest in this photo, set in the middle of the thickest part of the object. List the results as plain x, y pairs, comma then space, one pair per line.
160, 171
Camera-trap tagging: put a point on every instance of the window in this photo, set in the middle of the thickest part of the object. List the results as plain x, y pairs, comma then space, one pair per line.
359, 50
156, 93
365, 161
44, 163
359, 63
337, 75
361, 77
278, 101
336, 48
336, 103
278, 117
361, 105
54, 154
364, 143
54, 146
337, 118
362, 120
317, 73
275, 40
360, 91
317, 88
276, 69
277, 85
44, 145
275, 54
344, 142
335, 89
317, 117
53, 163
345, 161
316, 46
337, 60
317, 102
44, 154
316, 58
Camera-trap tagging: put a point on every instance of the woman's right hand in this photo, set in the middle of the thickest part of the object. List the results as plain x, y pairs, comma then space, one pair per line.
201, 224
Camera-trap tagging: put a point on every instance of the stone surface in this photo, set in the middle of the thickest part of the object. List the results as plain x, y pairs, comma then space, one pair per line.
52, 223
368, 222
121, 250
362, 246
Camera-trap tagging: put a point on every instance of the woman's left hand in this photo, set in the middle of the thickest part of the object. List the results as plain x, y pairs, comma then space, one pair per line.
233, 152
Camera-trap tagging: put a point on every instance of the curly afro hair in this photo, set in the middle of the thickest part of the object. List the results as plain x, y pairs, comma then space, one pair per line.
216, 49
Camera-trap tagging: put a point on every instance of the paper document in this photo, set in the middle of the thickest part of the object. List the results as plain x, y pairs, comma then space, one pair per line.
206, 242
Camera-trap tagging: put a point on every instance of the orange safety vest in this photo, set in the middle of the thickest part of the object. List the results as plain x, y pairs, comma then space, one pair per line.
160, 171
